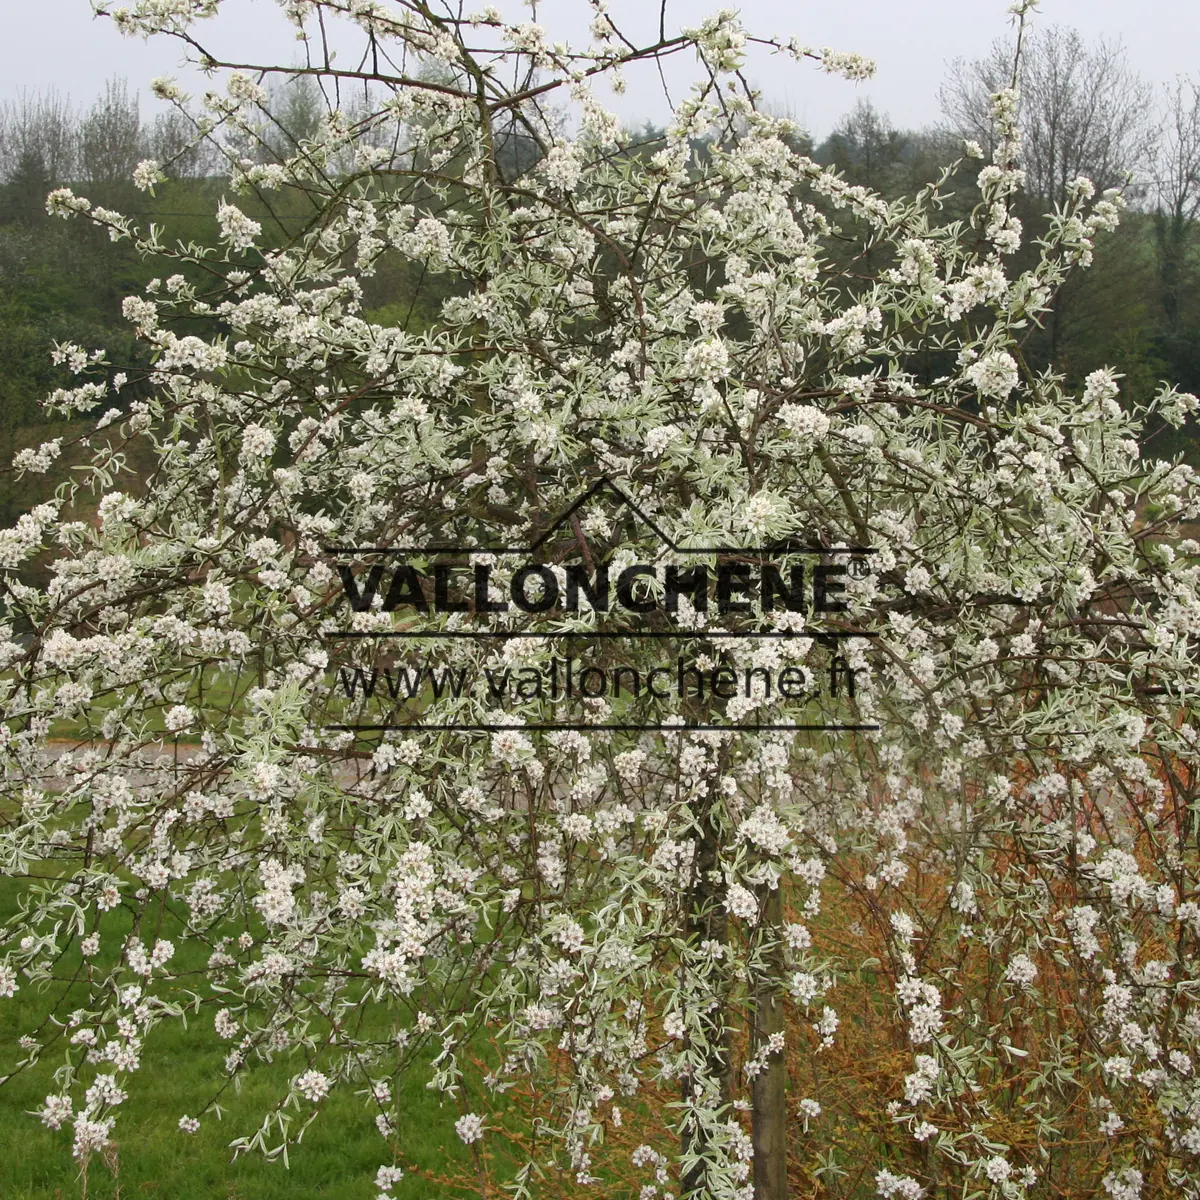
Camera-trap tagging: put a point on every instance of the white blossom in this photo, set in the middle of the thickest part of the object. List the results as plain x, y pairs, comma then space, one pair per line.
1021, 970
239, 230
313, 1086
994, 375
469, 1128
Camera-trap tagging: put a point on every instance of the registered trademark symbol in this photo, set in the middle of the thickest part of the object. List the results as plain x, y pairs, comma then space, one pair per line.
859, 567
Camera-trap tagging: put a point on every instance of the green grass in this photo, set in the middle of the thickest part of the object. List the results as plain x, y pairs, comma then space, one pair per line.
181, 1068
337, 1157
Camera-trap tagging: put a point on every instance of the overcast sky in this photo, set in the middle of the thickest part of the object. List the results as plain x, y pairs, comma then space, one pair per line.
57, 43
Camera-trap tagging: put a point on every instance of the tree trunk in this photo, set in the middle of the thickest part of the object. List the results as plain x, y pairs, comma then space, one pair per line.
768, 1089
707, 921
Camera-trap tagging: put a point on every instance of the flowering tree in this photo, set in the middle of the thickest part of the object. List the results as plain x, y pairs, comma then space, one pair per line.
978, 874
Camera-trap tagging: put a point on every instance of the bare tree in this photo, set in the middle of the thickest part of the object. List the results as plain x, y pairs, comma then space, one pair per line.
296, 108
174, 141
865, 143
1085, 111
110, 138
38, 130
1177, 192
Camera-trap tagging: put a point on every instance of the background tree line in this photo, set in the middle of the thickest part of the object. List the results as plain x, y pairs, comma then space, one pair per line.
63, 281
1085, 113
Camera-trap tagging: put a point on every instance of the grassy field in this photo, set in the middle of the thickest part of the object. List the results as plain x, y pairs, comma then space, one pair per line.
180, 1069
